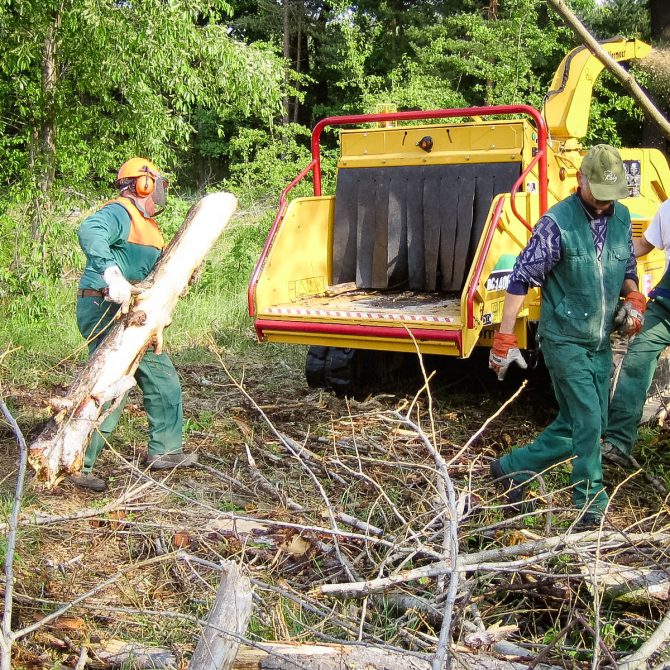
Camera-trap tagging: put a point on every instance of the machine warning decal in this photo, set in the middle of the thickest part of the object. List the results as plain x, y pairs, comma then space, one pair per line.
306, 286
499, 278
633, 177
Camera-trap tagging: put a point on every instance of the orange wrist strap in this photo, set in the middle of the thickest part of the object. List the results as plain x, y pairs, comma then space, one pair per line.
637, 300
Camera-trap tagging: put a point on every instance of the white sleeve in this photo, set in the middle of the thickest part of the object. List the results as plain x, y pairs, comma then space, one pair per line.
658, 232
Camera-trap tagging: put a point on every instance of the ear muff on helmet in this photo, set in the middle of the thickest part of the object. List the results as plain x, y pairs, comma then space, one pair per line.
143, 171
145, 184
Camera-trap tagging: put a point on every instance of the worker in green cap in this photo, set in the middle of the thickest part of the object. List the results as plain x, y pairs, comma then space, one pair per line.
581, 254
122, 243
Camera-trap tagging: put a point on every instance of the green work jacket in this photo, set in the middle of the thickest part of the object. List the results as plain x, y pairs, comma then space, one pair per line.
581, 292
118, 234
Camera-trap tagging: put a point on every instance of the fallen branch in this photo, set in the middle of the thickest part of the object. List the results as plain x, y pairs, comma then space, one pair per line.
122, 654
442, 655
7, 638
493, 559
282, 656
657, 641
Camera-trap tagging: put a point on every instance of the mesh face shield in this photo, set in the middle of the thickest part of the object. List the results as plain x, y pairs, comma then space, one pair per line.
159, 195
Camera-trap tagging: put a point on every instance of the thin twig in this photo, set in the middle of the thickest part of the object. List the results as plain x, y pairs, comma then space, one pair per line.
8, 637
295, 453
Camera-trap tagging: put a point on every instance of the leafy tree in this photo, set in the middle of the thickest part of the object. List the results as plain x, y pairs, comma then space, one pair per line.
87, 83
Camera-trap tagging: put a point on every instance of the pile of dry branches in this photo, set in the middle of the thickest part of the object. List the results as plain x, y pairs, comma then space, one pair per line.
373, 524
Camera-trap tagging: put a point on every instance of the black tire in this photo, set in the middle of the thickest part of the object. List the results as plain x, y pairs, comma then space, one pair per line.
341, 370
315, 365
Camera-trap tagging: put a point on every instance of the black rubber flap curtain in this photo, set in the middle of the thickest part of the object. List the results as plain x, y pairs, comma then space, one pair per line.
413, 227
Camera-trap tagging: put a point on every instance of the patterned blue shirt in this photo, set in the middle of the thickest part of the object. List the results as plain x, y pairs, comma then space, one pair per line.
543, 251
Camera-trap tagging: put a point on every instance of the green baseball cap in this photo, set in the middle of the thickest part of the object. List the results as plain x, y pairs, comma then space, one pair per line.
603, 168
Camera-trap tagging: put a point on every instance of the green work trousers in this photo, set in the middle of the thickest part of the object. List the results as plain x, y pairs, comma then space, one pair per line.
156, 377
581, 383
635, 377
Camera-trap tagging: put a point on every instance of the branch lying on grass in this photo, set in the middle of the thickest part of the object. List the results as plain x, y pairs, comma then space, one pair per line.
492, 559
261, 481
657, 641
122, 502
7, 638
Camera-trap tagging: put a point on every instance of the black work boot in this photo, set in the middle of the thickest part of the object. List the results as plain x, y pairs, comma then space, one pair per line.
614, 455
515, 492
178, 459
87, 480
587, 522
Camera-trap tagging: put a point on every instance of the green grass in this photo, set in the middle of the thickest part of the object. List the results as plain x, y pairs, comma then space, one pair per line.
41, 329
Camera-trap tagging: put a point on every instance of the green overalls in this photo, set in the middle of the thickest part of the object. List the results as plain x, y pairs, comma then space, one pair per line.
118, 234
637, 369
579, 298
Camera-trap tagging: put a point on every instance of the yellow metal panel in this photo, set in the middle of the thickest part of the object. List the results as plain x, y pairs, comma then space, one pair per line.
569, 100
374, 343
299, 261
433, 158
452, 143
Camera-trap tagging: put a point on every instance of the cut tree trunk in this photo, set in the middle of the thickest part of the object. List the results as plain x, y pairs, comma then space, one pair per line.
280, 656
226, 623
109, 372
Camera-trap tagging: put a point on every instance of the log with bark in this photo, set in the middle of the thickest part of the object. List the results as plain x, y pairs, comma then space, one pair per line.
226, 623
109, 372
639, 586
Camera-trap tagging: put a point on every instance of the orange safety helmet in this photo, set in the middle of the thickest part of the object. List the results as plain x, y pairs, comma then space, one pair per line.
140, 167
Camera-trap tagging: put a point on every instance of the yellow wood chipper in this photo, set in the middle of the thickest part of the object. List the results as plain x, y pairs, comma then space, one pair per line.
415, 247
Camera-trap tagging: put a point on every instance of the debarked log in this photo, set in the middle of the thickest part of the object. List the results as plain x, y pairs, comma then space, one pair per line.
60, 447
282, 656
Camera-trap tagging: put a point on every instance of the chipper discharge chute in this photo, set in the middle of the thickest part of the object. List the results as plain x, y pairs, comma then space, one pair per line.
414, 249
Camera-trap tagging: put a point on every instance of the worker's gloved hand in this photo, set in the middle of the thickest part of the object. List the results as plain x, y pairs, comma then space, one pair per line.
504, 352
630, 317
119, 289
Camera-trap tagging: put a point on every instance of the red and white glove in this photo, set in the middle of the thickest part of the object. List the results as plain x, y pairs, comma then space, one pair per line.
504, 352
630, 317
119, 289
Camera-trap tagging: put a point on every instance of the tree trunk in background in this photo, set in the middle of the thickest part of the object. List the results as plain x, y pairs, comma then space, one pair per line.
298, 58
45, 158
287, 57
660, 21
660, 34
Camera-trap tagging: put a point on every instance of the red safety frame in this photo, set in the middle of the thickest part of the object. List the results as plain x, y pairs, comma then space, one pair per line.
314, 166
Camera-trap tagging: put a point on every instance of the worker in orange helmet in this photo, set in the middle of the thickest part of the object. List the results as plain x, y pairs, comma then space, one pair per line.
122, 243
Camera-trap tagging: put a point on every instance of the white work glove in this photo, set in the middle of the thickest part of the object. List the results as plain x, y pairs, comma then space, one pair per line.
504, 352
119, 289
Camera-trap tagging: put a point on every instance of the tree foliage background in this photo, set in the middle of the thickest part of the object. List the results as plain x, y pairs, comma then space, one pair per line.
225, 91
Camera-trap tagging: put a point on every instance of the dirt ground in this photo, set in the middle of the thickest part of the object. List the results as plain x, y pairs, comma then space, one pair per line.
283, 471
